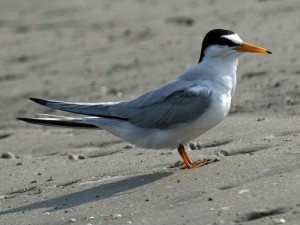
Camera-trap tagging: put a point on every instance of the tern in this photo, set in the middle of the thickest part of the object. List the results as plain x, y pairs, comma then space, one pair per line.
173, 114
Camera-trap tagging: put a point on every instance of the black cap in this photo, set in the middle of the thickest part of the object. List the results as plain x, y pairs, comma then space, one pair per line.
214, 37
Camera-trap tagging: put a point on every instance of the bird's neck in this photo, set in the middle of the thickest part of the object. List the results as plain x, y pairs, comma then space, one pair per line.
225, 66
221, 71
218, 70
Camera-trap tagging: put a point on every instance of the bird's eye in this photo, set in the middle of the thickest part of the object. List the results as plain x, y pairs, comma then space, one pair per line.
222, 41
225, 41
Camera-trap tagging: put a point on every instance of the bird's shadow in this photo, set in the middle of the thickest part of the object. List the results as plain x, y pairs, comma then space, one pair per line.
92, 194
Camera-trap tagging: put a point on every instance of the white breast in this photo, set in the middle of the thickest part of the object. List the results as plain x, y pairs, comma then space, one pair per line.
219, 77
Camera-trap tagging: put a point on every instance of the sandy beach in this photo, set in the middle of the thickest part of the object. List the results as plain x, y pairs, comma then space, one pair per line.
92, 51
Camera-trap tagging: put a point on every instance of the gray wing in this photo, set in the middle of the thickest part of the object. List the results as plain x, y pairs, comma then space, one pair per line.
169, 105
90, 109
165, 107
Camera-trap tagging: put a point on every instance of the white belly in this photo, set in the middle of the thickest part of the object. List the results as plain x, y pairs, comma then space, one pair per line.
215, 114
171, 138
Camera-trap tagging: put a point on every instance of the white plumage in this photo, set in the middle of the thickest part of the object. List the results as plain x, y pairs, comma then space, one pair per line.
173, 114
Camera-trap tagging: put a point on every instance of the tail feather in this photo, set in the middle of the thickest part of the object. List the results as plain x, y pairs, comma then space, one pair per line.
59, 122
90, 109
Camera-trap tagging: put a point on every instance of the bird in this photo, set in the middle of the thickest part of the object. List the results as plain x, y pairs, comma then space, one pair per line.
172, 115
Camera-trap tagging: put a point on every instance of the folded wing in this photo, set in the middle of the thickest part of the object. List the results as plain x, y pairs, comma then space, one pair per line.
175, 103
179, 106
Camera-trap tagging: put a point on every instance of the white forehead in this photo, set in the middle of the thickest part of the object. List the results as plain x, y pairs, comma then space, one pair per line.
234, 38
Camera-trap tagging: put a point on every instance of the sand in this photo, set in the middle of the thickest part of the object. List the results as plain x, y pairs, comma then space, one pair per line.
106, 50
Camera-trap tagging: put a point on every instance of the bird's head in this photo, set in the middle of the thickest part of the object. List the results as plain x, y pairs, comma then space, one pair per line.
225, 43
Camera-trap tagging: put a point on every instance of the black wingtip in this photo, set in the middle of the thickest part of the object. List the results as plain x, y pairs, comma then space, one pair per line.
28, 120
58, 123
39, 101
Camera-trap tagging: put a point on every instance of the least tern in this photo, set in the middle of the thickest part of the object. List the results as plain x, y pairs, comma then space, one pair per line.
173, 114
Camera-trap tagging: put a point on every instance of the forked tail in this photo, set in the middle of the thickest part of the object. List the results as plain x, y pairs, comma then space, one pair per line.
60, 121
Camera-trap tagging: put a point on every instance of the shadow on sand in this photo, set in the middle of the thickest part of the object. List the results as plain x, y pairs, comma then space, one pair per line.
92, 194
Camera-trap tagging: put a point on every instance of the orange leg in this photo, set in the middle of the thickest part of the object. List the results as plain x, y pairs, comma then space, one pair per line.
187, 162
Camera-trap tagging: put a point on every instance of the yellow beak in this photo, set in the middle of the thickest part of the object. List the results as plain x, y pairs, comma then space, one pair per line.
246, 47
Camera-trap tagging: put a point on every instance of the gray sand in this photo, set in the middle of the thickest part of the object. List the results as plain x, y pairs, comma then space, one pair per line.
105, 50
